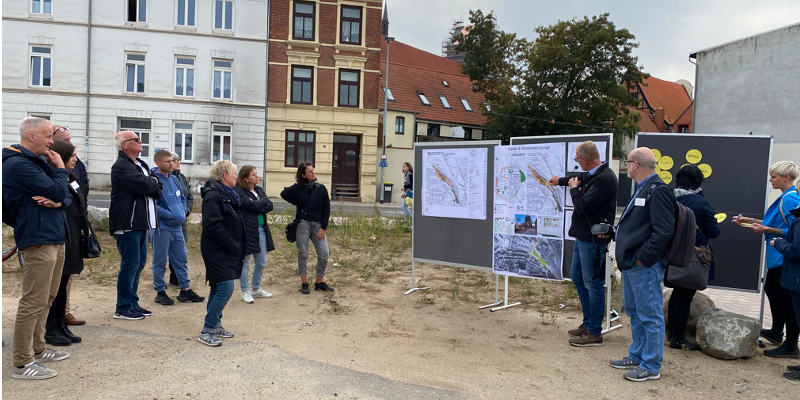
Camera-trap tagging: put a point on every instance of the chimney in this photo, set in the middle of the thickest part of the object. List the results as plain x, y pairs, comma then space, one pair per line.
659, 119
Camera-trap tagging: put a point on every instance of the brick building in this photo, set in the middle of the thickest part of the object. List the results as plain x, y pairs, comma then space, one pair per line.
664, 106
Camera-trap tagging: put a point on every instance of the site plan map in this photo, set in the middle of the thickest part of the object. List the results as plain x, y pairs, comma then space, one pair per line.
454, 183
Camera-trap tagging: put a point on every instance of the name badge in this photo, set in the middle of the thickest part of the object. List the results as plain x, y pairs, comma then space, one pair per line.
177, 193
75, 185
639, 202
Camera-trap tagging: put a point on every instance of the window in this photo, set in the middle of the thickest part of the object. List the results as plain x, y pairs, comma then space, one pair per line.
445, 84
41, 66
388, 93
466, 105
486, 106
444, 101
223, 15
434, 129
423, 99
184, 77
137, 10
142, 129
183, 140
45, 116
186, 12
42, 7
351, 25
400, 125
348, 88
468, 134
302, 83
134, 70
683, 128
220, 142
299, 148
303, 21
222, 79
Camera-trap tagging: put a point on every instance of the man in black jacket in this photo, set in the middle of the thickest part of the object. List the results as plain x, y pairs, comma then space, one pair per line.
642, 234
131, 214
594, 194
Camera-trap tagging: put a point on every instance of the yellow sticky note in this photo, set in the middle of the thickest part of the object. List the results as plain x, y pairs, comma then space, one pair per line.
694, 156
665, 163
658, 169
706, 169
721, 217
657, 154
665, 176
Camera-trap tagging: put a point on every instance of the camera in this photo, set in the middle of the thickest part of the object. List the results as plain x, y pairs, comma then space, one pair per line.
601, 229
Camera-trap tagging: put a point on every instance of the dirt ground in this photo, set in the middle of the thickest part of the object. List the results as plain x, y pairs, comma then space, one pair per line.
366, 340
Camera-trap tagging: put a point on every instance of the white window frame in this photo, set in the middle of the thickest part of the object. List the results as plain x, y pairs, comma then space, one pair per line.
445, 103
146, 146
221, 135
183, 131
41, 8
388, 93
185, 14
222, 70
466, 105
146, 12
42, 57
222, 20
424, 99
41, 115
136, 64
185, 74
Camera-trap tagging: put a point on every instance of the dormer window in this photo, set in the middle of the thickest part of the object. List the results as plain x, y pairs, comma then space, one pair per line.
466, 105
444, 101
423, 99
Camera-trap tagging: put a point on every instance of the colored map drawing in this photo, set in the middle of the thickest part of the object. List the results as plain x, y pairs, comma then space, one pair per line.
446, 180
543, 182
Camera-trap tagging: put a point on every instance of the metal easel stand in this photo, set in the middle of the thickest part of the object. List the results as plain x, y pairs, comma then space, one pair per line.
505, 302
413, 279
497, 301
611, 314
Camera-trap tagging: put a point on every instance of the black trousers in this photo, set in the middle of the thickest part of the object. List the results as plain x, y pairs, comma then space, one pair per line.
680, 303
59, 307
782, 308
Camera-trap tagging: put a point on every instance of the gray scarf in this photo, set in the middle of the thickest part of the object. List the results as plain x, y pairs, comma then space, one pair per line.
683, 192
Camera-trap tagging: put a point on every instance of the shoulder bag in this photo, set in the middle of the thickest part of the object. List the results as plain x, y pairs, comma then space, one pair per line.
291, 229
90, 247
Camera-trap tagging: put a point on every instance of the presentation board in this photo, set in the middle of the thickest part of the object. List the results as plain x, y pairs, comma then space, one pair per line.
736, 182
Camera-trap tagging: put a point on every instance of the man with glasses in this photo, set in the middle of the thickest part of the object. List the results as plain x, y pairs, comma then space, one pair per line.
594, 194
134, 189
187, 192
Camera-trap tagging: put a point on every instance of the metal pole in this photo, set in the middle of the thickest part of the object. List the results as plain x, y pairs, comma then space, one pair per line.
88, 87
385, 118
266, 108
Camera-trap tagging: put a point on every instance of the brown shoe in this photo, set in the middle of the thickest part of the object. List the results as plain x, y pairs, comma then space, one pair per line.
587, 340
73, 321
576, 333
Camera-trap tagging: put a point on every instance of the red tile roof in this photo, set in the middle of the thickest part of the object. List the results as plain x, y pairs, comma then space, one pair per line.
401, 53
646, 123
670, 96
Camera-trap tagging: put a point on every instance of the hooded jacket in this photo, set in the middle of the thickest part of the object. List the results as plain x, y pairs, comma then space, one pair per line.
171, 206
130, 189
790, 249
26, 175
223, 238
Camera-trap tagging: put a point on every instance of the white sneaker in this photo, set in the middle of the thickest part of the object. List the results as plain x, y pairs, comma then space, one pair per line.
247, 297
261, 293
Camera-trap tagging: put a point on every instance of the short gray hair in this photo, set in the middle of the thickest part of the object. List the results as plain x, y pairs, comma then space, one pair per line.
589, 150
175, 156
644, 158
221, 167
785, 168
31, 123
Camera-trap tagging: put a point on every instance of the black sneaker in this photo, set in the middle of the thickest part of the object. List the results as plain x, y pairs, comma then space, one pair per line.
793, 368
683, 344
304, 289
781, 352
323, 287
189, 295
163, 299
144, 312
792, 375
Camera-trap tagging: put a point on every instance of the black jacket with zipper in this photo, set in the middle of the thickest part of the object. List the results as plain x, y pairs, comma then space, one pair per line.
595, 200
253, 207
300, 196
129, 190
223, 238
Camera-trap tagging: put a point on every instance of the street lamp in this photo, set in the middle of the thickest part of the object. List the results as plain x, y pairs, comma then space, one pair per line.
385, 33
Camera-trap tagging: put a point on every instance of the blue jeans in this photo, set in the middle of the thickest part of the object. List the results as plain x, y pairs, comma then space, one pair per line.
644, 304
590, 290
406, 210
260, 260
133, 250
217, 300
168, 244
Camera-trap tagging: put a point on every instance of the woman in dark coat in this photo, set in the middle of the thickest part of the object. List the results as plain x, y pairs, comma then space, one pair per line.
689, 194
790, 280
256, 205
56, 331
222, 246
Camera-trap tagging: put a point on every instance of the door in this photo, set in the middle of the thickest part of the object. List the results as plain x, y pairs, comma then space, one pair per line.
346, 158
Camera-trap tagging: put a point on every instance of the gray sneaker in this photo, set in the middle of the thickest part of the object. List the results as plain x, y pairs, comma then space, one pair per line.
640, 375
625, 363
221, 332
50, 354
209, 339
32, 371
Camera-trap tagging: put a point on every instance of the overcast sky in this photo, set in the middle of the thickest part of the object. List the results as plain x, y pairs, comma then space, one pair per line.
667, 31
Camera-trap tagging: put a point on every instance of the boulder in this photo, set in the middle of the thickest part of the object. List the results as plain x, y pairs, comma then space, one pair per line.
700, 304
726, 335
98, 217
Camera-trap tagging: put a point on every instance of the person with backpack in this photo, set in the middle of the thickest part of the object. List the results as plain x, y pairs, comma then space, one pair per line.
645, 228
690, 194
776, 225
408, 189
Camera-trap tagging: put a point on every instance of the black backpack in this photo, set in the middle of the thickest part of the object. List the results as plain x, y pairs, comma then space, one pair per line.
681, 247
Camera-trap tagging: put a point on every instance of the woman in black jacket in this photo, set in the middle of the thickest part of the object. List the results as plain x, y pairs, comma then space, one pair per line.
408, 187
56, 331
222, 246
313, 212
256, 205
689, 194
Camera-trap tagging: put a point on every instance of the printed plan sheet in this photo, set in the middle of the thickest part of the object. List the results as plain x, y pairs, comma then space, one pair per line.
454, 183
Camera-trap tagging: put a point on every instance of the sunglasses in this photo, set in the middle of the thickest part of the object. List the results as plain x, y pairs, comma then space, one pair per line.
62, 129
136, 139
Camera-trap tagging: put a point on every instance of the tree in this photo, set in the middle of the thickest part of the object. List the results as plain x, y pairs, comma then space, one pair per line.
572, 79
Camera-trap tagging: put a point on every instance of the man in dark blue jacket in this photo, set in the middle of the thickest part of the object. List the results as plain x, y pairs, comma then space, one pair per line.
642, 234
35, 196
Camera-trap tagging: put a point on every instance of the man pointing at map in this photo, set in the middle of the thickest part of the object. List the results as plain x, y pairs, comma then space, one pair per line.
594, 194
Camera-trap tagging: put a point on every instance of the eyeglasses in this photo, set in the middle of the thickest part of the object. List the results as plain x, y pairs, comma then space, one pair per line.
577, 158
630, 161
62, 129
136, 139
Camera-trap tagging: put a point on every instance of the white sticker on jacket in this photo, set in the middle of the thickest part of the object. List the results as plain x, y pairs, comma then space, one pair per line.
178, 193
75, 185
639, 202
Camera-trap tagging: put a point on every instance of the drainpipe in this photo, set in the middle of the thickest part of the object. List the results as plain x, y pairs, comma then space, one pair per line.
88, 86
266, 107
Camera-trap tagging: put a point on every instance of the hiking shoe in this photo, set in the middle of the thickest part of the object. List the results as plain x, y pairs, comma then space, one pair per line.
223, 333
190, 295
587, 340
323, 287
781, 352
129, 315
163, 299
261, 293
32, 371
625, 363
144, 312
793, 375
50, 354
775, 338
53, 335
209, 339
683, 344
793, 368
577, 332
247, 297
640, 375
304, 289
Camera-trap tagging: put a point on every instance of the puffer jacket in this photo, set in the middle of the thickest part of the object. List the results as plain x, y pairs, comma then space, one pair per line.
252, 209
223, 238
171, 206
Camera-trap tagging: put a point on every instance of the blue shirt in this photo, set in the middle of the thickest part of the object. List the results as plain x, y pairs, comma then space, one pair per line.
774, 219
639, 187
593, 170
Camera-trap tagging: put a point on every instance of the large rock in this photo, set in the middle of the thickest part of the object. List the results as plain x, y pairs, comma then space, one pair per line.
700, 304
726, 335
98, 217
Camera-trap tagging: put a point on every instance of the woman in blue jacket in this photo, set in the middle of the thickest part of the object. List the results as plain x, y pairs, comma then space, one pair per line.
790, 249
